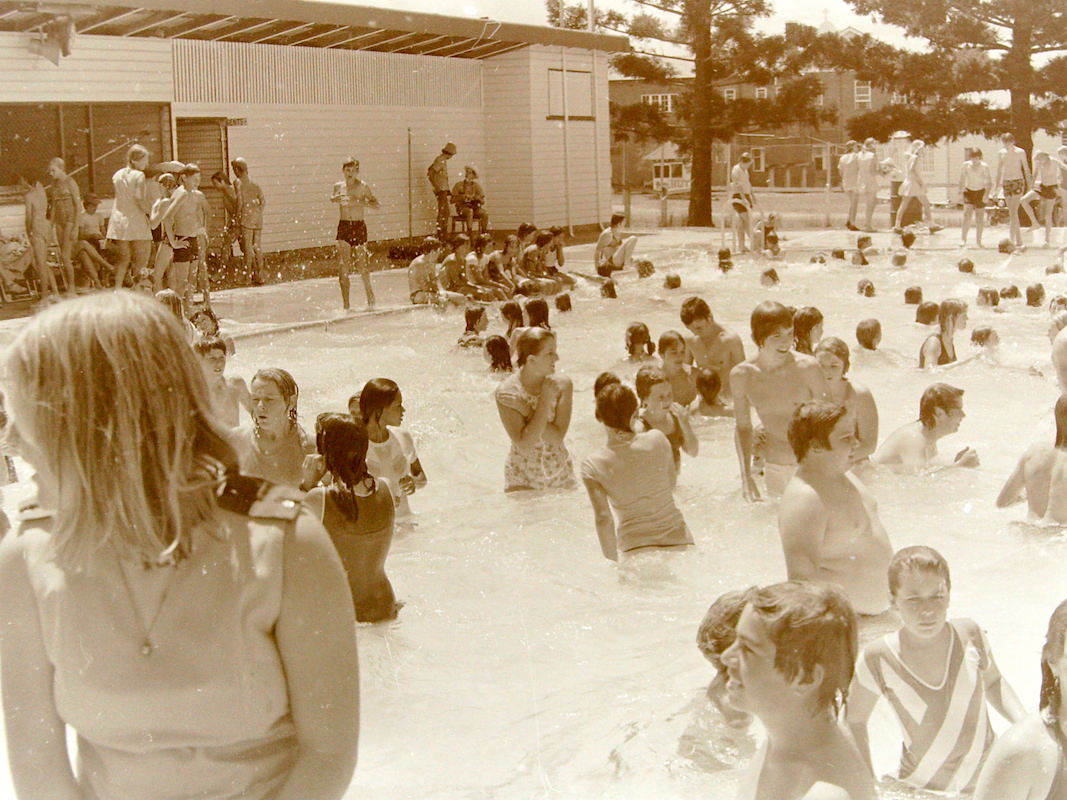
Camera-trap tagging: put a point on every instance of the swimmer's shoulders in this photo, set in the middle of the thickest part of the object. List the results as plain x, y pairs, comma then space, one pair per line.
1027, 745
745, 369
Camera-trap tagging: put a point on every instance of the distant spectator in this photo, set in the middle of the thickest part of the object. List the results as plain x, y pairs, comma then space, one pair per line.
251, 203
469, 199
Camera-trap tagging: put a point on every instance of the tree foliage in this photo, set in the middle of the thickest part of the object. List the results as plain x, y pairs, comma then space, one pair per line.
722, 45
975, 46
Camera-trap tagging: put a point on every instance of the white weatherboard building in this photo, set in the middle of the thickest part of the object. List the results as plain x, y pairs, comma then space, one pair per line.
295, 87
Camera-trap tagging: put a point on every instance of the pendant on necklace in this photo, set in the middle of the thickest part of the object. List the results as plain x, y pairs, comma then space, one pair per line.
147, 648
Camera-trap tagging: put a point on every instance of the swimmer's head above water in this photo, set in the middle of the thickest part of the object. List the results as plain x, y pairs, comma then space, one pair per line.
499, 354
814, 431
771, 319
833, 356
807, 329
616, 407
639, 341
869, 333
941, 408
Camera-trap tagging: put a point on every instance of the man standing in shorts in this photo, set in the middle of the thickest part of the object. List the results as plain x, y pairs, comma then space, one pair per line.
1013, 176
352, 195
250, 203
741, 200
870, 169
849, 167
437, 173
186, 217
975, 181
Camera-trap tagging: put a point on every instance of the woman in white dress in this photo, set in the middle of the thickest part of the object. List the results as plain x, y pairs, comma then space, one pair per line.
914, 186
128, 226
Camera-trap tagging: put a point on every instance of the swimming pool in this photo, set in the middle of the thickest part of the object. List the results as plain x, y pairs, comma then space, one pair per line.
522, 666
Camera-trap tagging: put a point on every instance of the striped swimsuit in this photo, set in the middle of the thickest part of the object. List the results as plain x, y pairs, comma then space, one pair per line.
946, 728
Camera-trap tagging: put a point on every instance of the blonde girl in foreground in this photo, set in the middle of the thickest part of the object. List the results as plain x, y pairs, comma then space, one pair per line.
193, 626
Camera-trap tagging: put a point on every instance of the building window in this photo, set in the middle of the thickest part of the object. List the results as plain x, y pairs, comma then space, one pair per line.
761, 92
926, 159
665, 102
820, 157
862, 95
92, 139
729, 94
579, 94
819, 100
759, 158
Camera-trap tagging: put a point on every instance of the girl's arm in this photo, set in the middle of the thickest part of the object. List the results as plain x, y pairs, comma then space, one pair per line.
316, 635
562, 420
866, 423
605, 522
36, 736
527, 434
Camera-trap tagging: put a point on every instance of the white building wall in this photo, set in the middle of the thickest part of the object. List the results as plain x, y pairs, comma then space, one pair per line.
100, 69
308, 109
509, 195
567, 152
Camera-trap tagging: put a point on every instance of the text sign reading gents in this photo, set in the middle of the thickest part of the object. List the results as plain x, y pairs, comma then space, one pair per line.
236, 121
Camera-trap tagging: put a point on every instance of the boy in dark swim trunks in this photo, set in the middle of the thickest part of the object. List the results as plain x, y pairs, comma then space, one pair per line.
353, 195
1013, 176
975, 182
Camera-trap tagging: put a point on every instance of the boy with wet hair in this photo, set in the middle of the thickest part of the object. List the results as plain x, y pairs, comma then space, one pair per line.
716, 634
869, 333
914, 446
827, 519
937, 674
710, 345
774, 382
791, 665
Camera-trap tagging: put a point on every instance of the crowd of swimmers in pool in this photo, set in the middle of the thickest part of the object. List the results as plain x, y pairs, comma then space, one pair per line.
787, 654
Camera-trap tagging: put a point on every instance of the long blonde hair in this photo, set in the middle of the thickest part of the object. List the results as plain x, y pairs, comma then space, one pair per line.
107, 391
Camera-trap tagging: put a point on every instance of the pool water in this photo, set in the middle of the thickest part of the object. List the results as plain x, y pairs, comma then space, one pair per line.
523, 666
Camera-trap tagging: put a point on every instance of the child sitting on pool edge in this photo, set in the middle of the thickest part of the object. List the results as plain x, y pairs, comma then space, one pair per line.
937, 674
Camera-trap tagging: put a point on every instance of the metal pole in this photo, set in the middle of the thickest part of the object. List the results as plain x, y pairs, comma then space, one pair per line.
829, 177
596, 125
566, 142
726, 177
410, 227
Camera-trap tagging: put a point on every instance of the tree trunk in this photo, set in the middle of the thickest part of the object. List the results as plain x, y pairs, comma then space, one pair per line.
1020, 79
701, 141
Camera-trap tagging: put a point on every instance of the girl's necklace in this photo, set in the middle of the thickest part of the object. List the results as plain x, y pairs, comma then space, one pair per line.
147, 645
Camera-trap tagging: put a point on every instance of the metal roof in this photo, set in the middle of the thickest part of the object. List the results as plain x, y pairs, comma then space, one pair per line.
301, 22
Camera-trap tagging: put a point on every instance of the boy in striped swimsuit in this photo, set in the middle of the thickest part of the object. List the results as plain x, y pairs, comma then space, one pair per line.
937, 674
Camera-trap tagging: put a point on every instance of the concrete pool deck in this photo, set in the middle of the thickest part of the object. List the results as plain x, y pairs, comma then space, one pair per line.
260, 310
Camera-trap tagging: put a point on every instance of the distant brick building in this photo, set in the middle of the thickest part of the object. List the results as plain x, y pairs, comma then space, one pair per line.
794, 155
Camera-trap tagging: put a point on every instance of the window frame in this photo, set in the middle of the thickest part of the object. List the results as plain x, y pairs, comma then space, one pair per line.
862, 95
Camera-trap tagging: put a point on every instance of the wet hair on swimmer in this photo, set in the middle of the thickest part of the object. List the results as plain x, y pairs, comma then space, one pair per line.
768, 318
694, 308
669, 339
926, 312
981, 335
286, 385
811, 625
377, 395
917, 558
1061, 421
511, 312
709, 384
342, 441
499, 353
616, 405
638, 338
718, 629
173, 301
1051, 653
938, 395
837, 348
812, 424
205, 345
805, 320
472, 316
602, 380
951, 309
530, 343
646, 378
430, 244
537, 313
868, 333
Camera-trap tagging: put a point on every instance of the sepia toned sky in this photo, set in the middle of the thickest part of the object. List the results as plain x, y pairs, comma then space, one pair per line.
812, 12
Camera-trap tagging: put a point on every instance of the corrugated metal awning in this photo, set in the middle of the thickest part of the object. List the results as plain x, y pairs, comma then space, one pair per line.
300, 23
